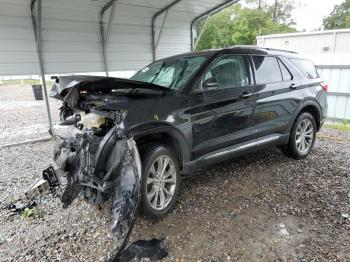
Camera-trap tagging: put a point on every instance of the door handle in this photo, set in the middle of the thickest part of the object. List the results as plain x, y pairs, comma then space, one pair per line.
293, 86
246, 95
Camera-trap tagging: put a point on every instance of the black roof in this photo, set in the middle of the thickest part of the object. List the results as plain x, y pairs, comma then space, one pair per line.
243, 49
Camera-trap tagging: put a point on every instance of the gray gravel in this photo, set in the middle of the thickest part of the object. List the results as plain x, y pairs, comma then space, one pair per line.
22, 117
263, 206
260, 207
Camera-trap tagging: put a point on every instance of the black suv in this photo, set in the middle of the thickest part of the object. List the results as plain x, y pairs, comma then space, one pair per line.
186, 112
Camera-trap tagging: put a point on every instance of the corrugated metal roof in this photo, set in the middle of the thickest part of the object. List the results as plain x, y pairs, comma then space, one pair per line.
71, 37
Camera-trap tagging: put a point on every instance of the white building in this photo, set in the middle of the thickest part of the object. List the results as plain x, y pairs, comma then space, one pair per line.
330, 51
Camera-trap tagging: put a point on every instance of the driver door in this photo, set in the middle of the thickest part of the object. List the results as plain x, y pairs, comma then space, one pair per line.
223, 107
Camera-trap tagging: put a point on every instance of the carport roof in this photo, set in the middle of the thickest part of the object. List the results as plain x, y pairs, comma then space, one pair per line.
63, 36
71, 37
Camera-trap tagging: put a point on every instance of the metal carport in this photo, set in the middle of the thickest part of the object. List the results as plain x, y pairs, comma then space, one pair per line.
63, 36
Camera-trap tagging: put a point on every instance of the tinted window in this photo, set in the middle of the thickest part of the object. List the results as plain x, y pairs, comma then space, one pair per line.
267, 70
306, 67
285, 72
229, 71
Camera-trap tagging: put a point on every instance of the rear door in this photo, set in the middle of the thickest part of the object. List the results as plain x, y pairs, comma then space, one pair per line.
223, 115
277, 98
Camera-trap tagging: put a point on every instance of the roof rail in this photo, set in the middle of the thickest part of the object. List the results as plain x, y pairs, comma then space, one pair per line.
279, 50
261, 47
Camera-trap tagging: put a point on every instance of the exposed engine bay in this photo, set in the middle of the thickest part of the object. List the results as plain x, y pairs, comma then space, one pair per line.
94, 154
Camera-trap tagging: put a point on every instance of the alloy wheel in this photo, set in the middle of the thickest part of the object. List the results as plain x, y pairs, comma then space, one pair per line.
304, 136
161, 182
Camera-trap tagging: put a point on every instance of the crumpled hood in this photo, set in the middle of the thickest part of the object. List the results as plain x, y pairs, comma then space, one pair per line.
102, 84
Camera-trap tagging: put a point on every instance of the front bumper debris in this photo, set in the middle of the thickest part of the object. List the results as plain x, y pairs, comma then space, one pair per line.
99, 168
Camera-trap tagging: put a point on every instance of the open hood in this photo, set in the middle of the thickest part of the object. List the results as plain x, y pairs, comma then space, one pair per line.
101, 84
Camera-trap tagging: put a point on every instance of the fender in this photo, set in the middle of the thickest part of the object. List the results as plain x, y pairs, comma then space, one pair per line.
304, 103
163, 127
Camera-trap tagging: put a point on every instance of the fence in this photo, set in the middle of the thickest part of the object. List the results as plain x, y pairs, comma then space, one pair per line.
338, 79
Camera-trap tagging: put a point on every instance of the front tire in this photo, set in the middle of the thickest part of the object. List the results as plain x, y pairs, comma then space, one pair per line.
302, 137
160, 181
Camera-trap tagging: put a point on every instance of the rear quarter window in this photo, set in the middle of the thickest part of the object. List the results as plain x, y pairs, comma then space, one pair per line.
286, 75
306, 67
267, 69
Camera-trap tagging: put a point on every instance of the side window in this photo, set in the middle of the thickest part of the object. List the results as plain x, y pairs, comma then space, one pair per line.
286, 75
229, 71
306, 67
267, 70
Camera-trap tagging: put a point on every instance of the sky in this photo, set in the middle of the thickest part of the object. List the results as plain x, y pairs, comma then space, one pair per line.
308, 14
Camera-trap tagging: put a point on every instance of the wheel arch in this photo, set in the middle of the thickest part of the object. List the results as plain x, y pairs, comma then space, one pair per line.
310, 106
164, 134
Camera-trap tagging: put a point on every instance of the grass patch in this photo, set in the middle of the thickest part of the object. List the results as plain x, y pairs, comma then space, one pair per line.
25, 81
34, 212
343, 126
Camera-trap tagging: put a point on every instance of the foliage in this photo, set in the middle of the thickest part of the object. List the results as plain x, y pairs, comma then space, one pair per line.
281, 12
32, 213
239, 26
339, 17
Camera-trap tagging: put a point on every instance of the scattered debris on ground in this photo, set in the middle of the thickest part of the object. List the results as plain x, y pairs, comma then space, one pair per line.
153, 249
20, 206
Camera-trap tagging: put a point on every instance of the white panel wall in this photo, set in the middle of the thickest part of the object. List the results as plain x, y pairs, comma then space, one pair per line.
338, 80
17, 46
71, 36
331, 41
301, 44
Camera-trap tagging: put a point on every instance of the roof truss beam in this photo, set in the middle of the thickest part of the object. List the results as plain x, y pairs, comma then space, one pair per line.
35, 9
155, 41
105, 32
207, 14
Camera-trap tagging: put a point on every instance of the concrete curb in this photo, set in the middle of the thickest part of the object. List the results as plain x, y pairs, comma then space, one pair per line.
34, 141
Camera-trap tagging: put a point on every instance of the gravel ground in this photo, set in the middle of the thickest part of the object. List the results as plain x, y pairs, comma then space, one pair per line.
261, 207
22, 117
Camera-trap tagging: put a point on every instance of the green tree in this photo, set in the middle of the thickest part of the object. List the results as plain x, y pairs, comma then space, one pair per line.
339, 17
238, 26
281, 11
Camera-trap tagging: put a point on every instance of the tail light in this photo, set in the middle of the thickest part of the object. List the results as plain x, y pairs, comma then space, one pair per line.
324, 86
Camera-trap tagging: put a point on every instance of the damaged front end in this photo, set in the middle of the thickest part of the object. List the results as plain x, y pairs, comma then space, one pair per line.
98, 166
96, 159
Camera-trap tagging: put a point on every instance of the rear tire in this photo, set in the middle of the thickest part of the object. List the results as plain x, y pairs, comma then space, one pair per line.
160, 180
302, 138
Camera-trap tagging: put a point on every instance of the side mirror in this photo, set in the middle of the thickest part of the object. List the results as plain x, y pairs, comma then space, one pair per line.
210, 84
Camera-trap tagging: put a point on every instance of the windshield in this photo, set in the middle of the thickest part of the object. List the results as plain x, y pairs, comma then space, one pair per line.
170, 73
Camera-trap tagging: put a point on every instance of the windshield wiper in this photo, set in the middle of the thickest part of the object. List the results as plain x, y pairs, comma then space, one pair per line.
179, 76
156, 75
